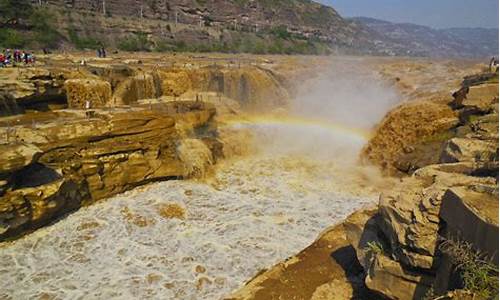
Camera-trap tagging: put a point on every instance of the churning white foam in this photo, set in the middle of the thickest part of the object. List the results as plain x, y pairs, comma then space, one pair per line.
259, 210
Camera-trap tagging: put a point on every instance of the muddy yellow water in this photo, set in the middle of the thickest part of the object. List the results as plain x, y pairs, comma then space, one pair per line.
201, 239
196, 239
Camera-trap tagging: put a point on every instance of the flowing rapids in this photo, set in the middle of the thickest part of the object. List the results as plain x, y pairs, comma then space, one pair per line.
192, 239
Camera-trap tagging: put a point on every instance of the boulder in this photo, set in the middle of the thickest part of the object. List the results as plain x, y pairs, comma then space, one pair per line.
32, 207
464, 149
387, 277
79, 91
482, 96
483, 127
466, 173
408, 219
471, 215
362, 231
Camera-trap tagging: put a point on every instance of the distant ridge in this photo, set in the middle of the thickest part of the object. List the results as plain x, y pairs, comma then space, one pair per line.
418, 40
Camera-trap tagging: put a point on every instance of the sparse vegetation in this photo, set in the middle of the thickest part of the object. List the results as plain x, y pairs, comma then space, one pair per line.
137, 42
478, 273
24, 25
281, 32
44, 33
81, 43
375, 247
21, 25
13, 13
430, 294
244, 43
10, 38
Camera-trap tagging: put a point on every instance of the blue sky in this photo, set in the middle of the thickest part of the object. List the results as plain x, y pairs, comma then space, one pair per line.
434, 13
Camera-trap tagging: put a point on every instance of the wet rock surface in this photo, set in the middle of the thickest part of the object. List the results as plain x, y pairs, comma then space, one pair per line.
327, 269
456, 197
451, 152
76, 160
59, 160
57, 83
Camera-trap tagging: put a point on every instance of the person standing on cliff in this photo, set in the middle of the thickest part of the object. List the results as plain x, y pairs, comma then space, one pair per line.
103, 52
494, 64
88, 113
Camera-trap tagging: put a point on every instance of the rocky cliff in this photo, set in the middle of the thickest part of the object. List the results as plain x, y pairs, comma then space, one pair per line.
453, 200
75, 133
433, 236
249, 26
51, 168
307, 18
108, 83
257, 26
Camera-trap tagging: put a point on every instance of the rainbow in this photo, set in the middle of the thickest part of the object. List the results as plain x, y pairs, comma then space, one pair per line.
273, 120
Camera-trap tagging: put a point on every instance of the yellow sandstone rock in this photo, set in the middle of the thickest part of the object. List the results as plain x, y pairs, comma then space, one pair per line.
79, 91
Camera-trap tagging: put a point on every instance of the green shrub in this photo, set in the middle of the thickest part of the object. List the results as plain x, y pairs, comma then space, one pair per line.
281, 32
137, 42
44, 33
11, 38
15, 11
374, 247
479, 275
163, 46
83, 42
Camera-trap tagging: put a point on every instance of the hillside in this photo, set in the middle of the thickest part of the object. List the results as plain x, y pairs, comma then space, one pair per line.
234, 26
416, 40
256, 26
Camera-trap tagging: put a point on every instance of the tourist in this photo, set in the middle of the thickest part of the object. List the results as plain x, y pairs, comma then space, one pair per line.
103, 52
2, 60
99, 53
25, 57
494, 64
8, 56
31, 58
17, 56
88, 113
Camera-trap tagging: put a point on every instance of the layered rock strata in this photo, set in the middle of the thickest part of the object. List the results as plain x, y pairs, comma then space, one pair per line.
74, 160
451, 195
110, 85
455, 197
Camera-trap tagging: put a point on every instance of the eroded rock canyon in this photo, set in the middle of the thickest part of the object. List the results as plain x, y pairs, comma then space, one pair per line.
185, 176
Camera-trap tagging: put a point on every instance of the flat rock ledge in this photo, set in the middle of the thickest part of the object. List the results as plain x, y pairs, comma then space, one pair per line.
48, 169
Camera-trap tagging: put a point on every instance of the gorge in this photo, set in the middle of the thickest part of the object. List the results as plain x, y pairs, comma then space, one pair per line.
190, 175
